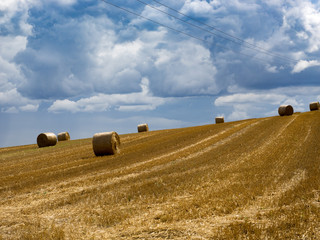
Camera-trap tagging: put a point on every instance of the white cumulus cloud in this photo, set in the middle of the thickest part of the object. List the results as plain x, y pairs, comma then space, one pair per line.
271, 98
197, 7
266, 102
12, 101
137, 101
302, 65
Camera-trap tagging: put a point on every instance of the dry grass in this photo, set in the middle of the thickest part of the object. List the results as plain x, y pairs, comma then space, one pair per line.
252, 179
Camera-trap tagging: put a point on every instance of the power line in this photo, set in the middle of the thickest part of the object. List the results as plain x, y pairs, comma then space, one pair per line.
241, 41
181, 19
163, 25
178, 31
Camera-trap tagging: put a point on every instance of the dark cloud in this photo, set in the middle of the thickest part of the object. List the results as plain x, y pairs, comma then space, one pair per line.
73, 52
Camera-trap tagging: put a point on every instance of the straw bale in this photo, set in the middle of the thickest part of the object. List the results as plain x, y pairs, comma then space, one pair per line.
285, 110
314, 106
63, 136
106, 143
219, 119
143, 128
46, 139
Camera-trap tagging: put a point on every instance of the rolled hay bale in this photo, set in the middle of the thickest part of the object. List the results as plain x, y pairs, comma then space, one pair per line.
314, 106
46, 139
106, 143
219, 119
285, 110
63, 136
143, 127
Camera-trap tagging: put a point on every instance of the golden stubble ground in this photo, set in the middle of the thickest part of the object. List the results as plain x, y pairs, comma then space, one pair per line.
251, 179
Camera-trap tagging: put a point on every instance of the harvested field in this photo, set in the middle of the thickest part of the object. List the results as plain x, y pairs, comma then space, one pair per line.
254, 179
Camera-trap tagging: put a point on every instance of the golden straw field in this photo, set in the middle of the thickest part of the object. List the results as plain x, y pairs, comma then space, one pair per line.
250, 179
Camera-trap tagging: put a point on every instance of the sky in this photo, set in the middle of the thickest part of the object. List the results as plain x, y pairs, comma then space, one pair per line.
89, 66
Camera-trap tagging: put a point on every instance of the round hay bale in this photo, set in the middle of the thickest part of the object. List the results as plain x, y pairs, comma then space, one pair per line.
285, 110
219, 119
63, 136
46, 139
143, 128
106, 143
314, 106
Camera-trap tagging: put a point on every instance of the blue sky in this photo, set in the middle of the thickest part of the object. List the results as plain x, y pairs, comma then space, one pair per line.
85, 66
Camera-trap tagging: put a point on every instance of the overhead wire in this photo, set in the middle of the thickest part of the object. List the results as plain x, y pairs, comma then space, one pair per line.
239, 40
178, 31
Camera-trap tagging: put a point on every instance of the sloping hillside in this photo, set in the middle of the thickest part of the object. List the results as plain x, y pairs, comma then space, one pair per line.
257, 178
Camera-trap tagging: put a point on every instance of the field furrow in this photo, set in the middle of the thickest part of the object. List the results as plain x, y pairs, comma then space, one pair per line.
257, 178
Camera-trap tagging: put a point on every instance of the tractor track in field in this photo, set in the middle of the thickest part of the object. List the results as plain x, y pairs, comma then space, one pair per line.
53, 194
192, 183
124, 172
